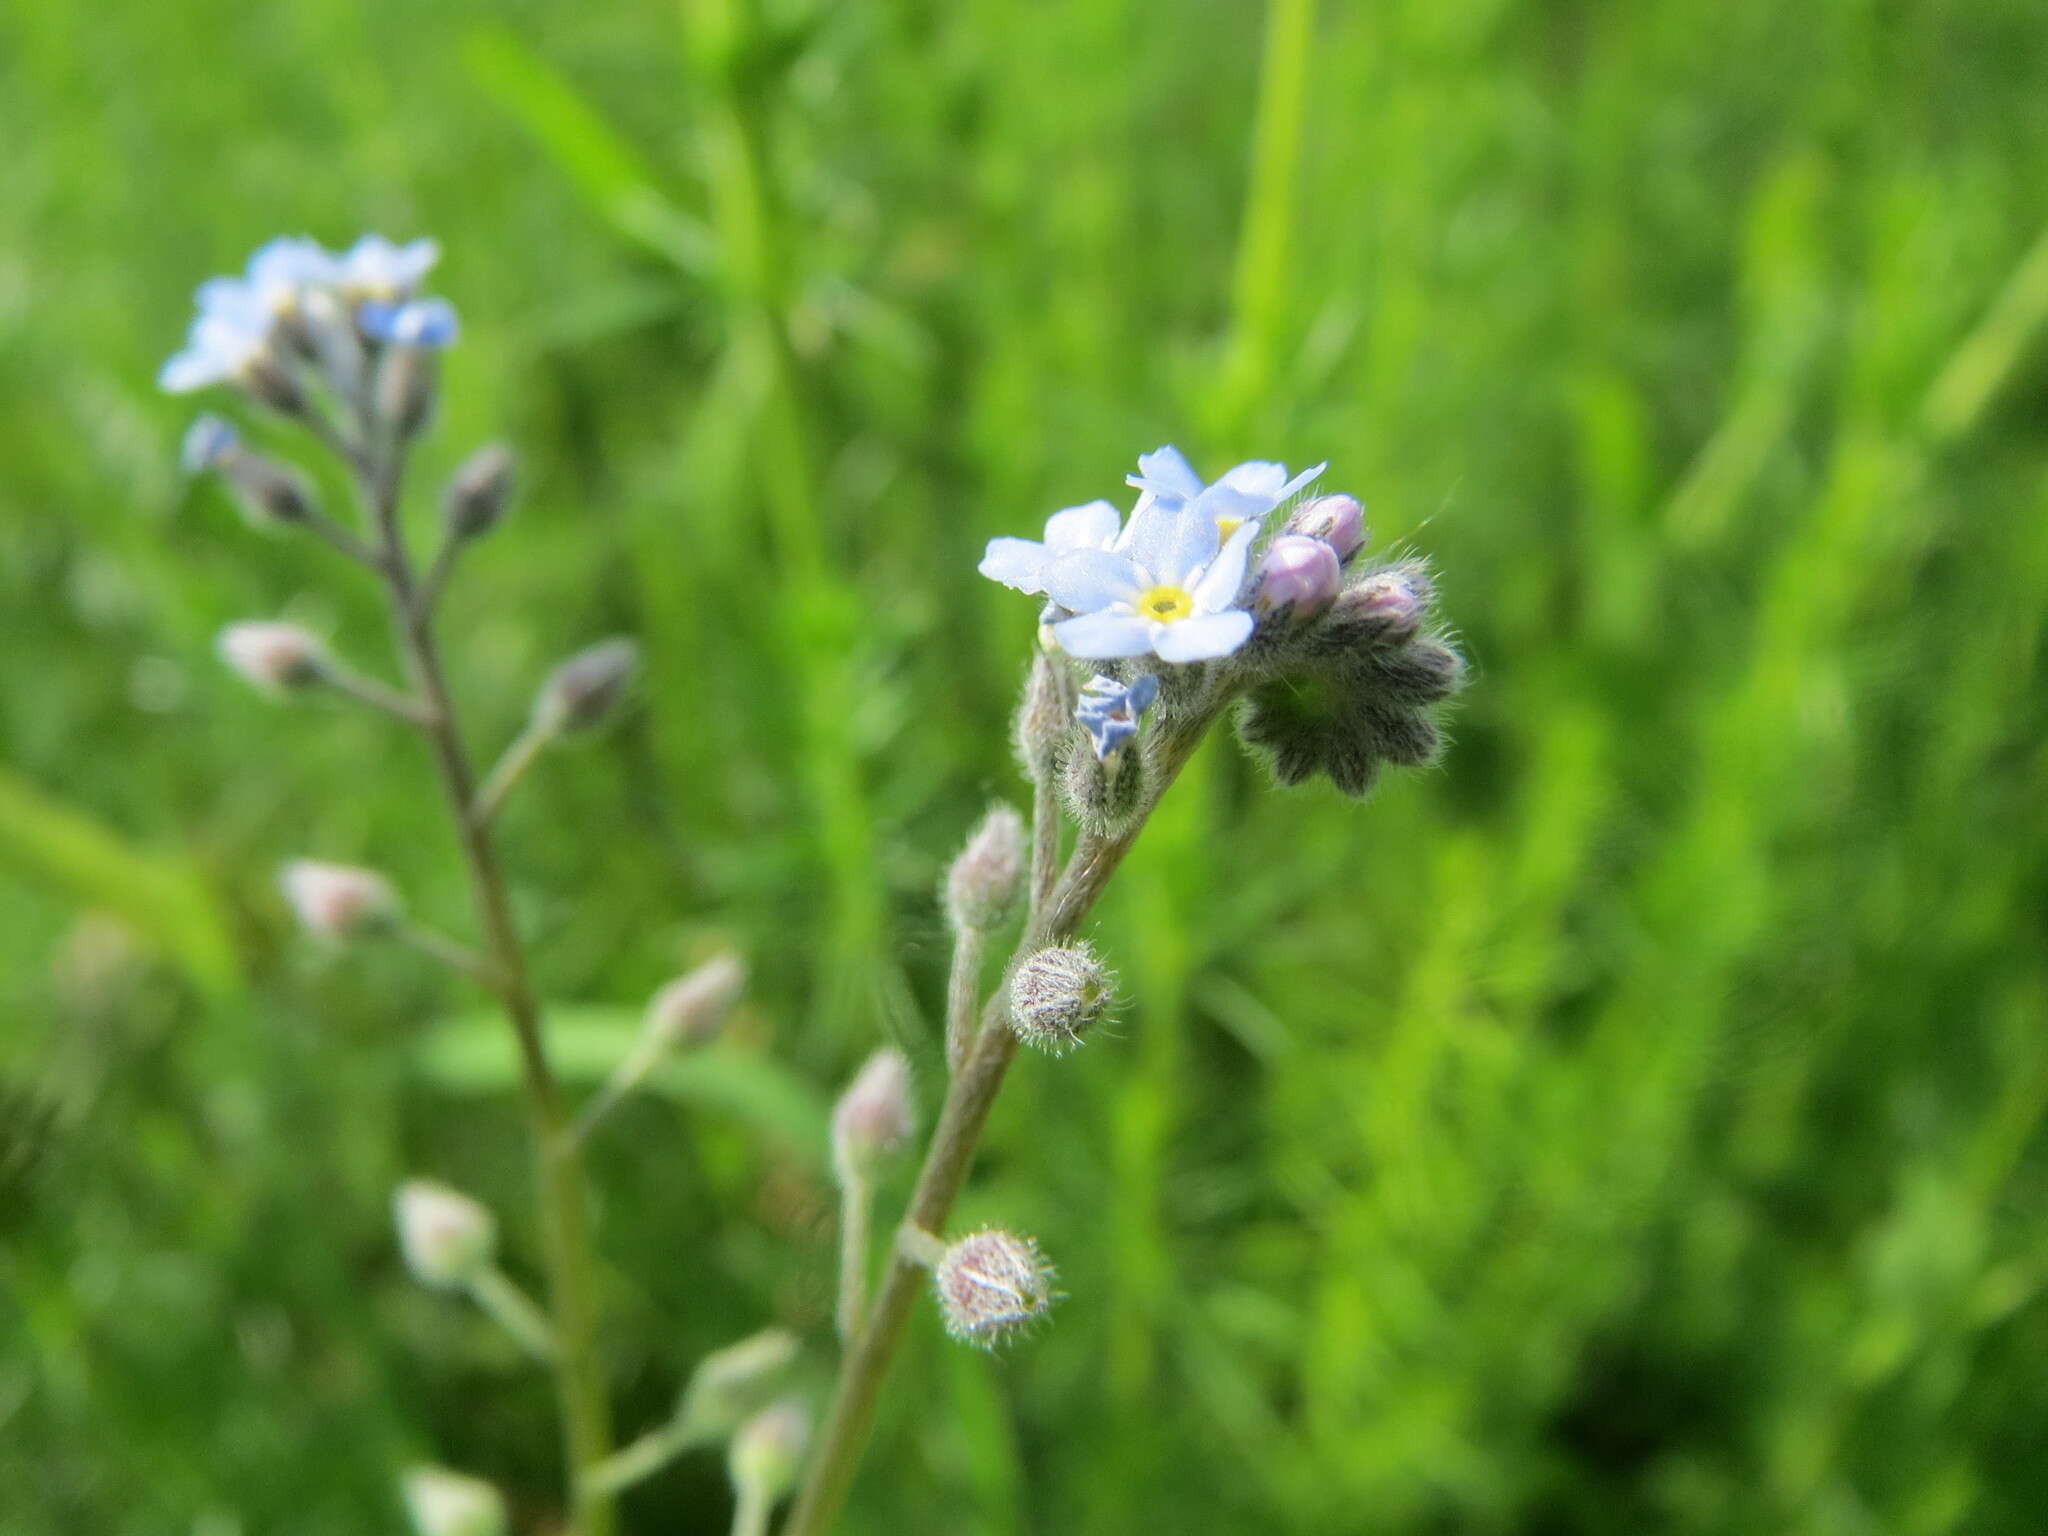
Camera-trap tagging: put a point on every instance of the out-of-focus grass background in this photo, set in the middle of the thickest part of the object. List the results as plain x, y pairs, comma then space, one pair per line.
1633, 1125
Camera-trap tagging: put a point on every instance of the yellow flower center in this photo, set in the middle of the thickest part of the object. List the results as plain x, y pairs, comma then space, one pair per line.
1166, 605
1226, 526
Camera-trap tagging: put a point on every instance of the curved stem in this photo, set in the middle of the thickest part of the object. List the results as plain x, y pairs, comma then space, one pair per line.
962, 1118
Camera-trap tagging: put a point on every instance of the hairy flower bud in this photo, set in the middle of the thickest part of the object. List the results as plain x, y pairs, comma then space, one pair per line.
444, 1503
1103, 794
1057, 996
1045, 719
408, 383
874, 1116
336, 901
983, 885
1298, 579
271, 382
1338, 521
270, 495
991, 1286
1386, 608
478, 495
446, 1237
277, 658
732, 1382
692, 1009
767, 1452
583, 690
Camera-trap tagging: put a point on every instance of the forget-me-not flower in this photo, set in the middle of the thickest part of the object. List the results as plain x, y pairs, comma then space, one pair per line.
1166, 590
416, 323
1110, 711
1022, 563
1245, 494
380, 271
230, 335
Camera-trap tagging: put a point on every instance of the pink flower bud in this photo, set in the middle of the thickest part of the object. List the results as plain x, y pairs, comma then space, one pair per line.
991, 1286
1298, 579
336, 901
1339, 521
692, 1009
446, 1237
985, 880
1385, 608
874, 1117
276, 658
444, 1503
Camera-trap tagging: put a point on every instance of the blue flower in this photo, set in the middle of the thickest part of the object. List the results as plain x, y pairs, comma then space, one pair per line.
1244, 494
377, 270
1166, 590
208, 442
285, 270
416, 323
1022, 563
1110, 712
229, 336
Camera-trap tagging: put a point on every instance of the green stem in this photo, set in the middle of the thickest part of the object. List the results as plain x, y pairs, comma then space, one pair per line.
514, 1311
856, 1202
962, 986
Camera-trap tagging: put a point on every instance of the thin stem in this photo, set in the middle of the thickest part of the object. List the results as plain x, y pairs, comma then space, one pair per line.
919, 1246
640, 1460
564, 1219
332, 533
856, 1200
457, 957
367, 690
969, 1098
1045, 838
750, 1513
961, 989
436, 580
526, 747
515, 1312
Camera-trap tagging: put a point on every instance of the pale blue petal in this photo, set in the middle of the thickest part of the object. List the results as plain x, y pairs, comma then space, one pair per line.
1141, 693
1167, 472
1228, 504
1099, 636
1298, 482
1219, 585
1256, 477
1179, 541
1018, 563
1093, 526
1204, 637
189, 370
1087, 579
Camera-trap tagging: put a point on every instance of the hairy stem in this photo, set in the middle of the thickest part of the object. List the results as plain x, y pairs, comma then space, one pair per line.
856, 1201
962, 986
969, 1098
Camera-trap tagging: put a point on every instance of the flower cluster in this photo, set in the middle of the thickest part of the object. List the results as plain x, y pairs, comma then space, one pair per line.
298, 304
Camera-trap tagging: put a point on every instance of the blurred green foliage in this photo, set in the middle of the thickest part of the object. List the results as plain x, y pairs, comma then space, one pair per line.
1634, 1125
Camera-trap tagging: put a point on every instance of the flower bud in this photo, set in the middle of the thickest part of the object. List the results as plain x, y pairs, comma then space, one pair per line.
692, 1009
767, 1452
1384, 609
732, 1382
277, 658
335, 901
1057, 996
1338, 521
1045, 720
209, 443
444, 1503
1298, 579
1103, 794
983, 885
270, 495
479, 493
584, 689
271, 382
446, 1237
991, 1286
408, 382
874, 1116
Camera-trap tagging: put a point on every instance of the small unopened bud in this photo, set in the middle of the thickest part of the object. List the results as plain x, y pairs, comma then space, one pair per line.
873, 1117
209, 443
277, 658
587, 687
1338, 521
447, 1238
1045, 720
271, 382
767, 1452
733, 1382
1057, 996
444, 1503
1103, 794
270, 495
991, 1286
692, 1009
335, 901
479, 493
1298, 579
1384, 609
984, 882
408, 382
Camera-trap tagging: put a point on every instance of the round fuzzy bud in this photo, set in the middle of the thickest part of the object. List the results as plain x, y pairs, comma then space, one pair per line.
991, 1286
1338, 521
874, 1116
767, 1452
1298, 579
479, 493
985, 880
444, 1503
1384, 609
1057, 996
1103, 794
270, 495
408, 380
336, 901
277, 658
692, 1009
732, 1382
446, 1237
587, 687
